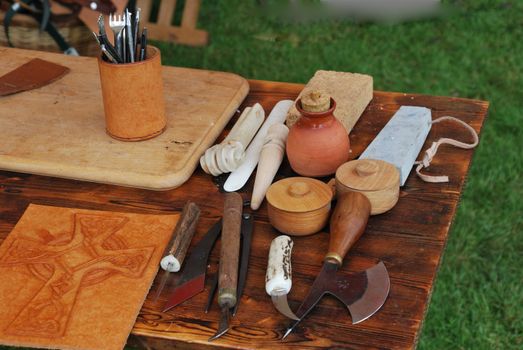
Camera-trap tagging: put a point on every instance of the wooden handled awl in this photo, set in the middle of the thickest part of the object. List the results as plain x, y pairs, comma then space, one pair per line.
278, 279
229, 257
180, 241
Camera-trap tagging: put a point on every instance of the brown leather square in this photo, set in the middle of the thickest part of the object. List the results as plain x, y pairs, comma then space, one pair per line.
31, 75
76, 279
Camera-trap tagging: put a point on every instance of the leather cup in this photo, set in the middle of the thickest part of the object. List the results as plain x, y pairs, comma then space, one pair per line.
133, 97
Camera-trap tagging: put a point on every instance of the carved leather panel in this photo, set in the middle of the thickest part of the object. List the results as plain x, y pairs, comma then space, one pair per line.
72, 278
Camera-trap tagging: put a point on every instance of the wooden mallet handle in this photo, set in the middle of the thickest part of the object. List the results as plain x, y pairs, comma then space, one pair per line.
348, 222
230, 250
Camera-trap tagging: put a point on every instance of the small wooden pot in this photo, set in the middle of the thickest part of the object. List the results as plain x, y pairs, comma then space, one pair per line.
133, 97
299, 206
379, 181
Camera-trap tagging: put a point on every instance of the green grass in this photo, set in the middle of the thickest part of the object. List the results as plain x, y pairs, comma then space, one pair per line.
475, 52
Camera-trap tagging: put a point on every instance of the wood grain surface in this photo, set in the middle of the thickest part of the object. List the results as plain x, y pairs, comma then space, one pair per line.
59, 129
409, 239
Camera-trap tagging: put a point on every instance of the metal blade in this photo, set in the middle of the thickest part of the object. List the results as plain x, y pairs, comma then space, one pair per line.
318, 289
363, 293
223, 324
246, 234
281, 304
192, 279
185, 291
376, 292
163, 281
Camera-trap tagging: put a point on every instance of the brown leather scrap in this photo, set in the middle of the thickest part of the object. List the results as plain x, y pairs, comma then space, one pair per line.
76, 279
31, 75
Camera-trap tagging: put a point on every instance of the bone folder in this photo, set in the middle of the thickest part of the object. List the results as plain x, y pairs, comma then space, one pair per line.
239, 177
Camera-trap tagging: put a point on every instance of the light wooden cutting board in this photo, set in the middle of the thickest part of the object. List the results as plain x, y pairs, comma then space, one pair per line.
59, 130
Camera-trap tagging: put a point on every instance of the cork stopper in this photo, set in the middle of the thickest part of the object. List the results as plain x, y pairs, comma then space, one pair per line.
315, 101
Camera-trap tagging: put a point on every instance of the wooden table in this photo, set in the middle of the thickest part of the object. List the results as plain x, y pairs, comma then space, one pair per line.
410, 239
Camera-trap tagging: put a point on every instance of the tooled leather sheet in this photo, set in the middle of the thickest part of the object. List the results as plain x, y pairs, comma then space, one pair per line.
76, 279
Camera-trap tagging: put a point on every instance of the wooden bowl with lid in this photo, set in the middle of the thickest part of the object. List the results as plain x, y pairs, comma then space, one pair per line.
299, 206
378, 180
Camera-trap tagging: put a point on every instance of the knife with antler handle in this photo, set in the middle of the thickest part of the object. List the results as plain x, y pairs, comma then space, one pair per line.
278, 279
180, 241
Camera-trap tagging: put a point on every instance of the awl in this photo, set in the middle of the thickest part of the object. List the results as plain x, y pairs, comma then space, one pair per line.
180, 241
278, 279
229, 258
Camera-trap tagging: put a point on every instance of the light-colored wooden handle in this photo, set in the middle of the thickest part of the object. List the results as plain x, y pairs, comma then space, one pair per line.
182, 237
230, 250
278, 279
348, 222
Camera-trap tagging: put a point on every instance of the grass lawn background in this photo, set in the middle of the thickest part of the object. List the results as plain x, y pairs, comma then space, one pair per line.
476, 52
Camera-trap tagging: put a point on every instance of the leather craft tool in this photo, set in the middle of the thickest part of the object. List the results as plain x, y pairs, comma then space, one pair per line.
239, 177
192, 279
229, 258
180, 241
362, 293
278, 279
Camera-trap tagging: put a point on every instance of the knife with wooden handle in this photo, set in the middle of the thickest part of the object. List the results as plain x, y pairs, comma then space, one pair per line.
229, 257
278, 279
180, 241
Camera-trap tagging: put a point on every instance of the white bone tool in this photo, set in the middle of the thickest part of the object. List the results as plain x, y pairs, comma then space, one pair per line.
270, 160
278, 279
239, 177
228, 155
400, 141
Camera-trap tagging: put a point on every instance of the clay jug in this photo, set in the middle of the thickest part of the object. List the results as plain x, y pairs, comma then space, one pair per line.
318, 143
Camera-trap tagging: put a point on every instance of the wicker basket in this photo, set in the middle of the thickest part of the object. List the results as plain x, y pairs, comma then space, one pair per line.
25, 34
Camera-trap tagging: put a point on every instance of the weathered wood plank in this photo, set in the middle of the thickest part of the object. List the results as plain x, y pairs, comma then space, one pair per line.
410, 240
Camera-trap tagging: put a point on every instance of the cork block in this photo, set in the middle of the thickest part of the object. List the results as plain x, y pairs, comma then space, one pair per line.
351, 91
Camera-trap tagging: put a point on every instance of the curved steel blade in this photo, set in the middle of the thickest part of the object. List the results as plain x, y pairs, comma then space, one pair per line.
318, 289
281, 304
376, 292
362, 293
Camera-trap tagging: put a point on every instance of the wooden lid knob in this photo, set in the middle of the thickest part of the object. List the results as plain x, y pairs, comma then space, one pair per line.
367, 168
367, 175
299, 194
299, 189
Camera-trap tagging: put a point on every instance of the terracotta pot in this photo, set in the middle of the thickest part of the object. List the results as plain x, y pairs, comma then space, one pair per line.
318, 143
133, 97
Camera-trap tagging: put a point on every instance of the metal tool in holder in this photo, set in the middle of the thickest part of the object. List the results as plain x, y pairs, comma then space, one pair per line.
125, 28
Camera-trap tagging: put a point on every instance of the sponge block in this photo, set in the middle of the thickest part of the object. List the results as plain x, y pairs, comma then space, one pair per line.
351, 91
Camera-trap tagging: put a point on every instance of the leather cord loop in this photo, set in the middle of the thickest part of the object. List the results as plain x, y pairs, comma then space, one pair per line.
433, 149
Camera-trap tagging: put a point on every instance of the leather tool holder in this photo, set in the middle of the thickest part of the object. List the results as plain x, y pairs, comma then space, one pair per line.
31, 75
133, 97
